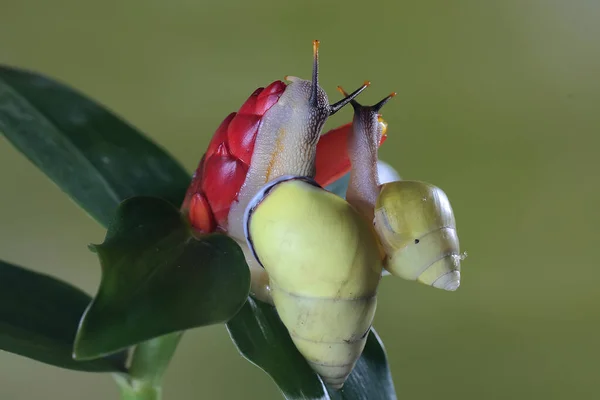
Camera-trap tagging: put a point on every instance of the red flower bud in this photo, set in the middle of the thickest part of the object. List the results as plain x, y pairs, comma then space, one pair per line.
223, 168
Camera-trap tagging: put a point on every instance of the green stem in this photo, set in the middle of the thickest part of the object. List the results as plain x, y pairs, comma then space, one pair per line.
136, 390
149, 361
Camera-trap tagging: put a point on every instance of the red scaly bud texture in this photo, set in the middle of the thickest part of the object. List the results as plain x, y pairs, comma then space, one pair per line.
222, 170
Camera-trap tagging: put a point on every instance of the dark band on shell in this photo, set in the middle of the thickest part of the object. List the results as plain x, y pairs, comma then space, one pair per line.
260, 196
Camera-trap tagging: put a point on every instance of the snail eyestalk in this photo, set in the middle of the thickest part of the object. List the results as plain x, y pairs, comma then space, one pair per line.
349, 98
315, 75
378, 106
358, 107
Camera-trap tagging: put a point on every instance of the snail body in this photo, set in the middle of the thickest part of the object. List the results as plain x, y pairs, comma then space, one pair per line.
324, 292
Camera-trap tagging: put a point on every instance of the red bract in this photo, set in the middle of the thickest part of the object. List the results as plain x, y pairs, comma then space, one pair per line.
223, 168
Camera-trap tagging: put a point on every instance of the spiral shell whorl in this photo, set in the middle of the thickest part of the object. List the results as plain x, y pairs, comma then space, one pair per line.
329, 332
324, 267
417, 229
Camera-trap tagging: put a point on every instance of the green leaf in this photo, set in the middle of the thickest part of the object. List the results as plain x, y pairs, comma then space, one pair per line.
157, 278
262, 338
97, 158
39, 317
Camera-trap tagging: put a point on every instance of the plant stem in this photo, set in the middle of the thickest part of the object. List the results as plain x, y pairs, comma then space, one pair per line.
149, 361
132, 389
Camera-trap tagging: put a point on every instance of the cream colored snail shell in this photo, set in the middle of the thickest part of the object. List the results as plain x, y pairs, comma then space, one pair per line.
324, 266
416, 226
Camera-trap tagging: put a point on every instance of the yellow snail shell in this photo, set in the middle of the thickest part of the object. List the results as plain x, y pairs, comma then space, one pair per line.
415, 224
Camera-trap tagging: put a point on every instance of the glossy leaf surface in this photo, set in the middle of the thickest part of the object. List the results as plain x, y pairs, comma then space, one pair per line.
157, 278
39, 317
94, 156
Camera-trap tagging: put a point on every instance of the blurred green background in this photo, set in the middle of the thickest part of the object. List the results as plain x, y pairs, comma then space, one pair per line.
499, 104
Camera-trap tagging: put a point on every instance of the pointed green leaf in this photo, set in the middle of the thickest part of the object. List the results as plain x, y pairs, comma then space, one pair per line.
158, 279
262, 338
97, 158
39, 317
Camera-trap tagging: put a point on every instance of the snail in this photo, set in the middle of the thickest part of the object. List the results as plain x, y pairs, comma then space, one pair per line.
316, 257
414, 220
